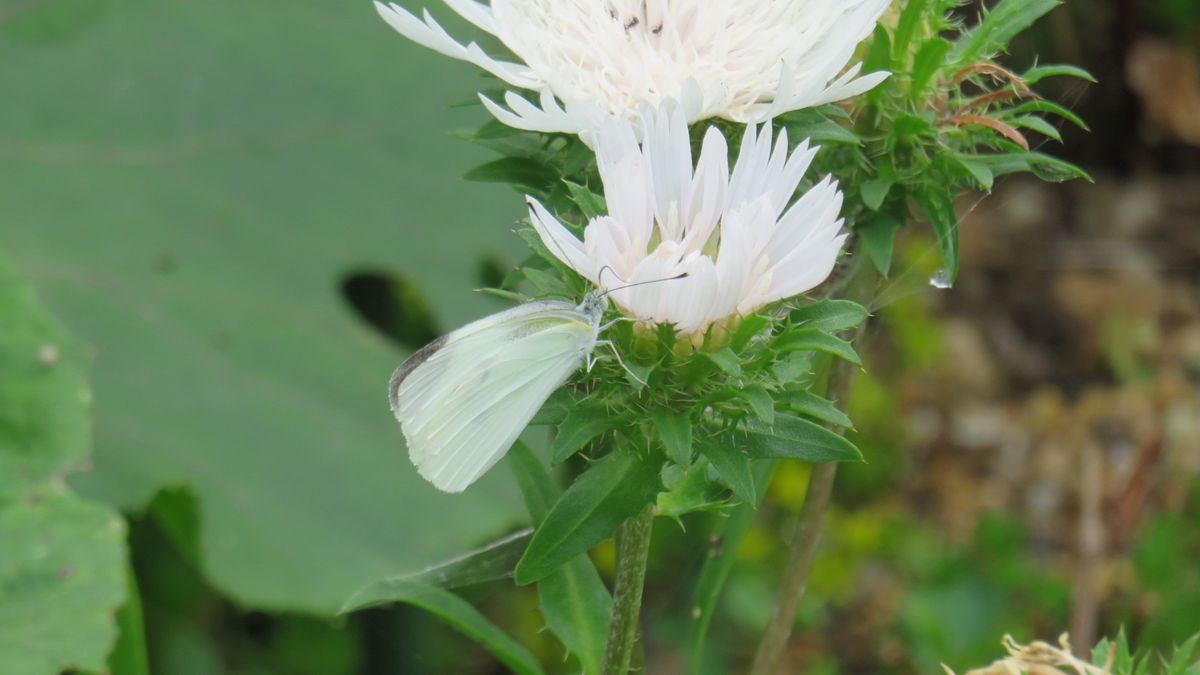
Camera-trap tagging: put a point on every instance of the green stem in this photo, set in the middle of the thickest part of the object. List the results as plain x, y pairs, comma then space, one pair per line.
804, 542
633, 548
795, 576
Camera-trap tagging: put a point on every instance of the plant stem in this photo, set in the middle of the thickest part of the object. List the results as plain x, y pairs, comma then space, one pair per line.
803, 546
633, 547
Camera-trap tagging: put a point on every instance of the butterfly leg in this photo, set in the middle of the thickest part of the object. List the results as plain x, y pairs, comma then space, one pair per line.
610, 345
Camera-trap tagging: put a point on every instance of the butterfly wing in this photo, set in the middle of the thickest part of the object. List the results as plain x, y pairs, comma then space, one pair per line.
465, 398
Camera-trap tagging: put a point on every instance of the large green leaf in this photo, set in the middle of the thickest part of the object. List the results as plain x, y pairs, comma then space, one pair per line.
187, 183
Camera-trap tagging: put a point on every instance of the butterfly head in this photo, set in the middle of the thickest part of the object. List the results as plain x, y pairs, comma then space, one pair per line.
593, 306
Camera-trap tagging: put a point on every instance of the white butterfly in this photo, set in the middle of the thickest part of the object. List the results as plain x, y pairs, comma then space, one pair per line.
463, 399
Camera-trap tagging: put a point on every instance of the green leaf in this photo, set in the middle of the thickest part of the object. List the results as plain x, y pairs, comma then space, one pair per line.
526, 175
206, 276
830, 315
1039, 73
582, 425
62, 576
62, 557
747, 328
816, 127
812, 339
457, 613
613, 489
1182, 657
732, 465
573, 600
675, 430
930, 59
1037, 124
129, 655
44, 414
1044, 106
875, 191
761, 402
796, 438
997, 28
726, 360
808, 403
728, 535
906, 28
934, 200
590, 203
689, 490
979, 171
878, 236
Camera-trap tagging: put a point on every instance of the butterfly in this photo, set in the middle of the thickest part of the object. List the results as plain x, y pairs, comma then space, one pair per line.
463, 399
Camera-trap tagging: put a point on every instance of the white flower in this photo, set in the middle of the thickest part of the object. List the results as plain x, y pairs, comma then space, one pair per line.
742, 60
734, 234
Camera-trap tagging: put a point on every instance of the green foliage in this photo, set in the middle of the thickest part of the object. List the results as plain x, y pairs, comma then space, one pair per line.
574, 601
202, 219
63, 559
613, 488
456, 612
1116, 657
948, 120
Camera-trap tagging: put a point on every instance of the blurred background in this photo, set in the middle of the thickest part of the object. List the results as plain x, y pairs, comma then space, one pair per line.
249, 212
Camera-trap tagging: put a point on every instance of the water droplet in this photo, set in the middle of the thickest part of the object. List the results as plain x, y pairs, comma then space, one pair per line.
941, 279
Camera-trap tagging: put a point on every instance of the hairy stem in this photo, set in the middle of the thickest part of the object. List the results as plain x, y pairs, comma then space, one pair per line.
633, 546
804, 542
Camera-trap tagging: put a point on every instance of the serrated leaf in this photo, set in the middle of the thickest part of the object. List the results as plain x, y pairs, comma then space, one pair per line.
727, 456
829, 315
996, 29
979, 172
689, 490
1035, 123
930, 58
808, 403
457, 613
906, 27
812, 339
675, 430
724, 359
582, 425
747, 328
1039, 73
816, 127
796, 438
573, 600
1044, 106
1182, 657
613, 489
590, 203
939, 211
878, 236
876, 190
761, 402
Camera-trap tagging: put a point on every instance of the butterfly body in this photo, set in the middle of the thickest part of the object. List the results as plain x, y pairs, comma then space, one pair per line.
463, 399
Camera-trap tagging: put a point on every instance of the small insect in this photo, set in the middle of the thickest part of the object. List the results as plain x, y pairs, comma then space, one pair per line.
463, 399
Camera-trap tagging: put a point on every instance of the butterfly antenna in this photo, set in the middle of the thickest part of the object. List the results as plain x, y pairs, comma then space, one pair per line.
683, 275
